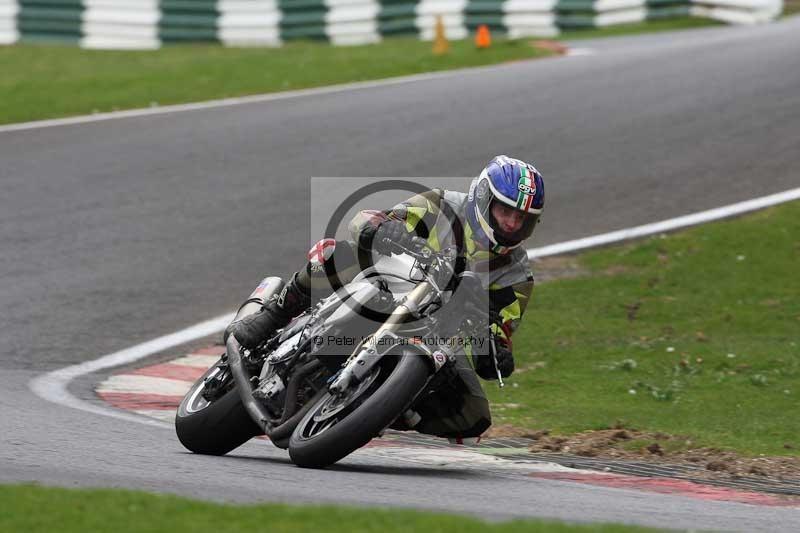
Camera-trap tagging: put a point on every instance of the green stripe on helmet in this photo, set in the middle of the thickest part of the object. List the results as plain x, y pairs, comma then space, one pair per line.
523, 186
520, 200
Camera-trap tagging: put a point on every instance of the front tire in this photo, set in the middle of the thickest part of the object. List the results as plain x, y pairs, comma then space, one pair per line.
317, 444
216, 427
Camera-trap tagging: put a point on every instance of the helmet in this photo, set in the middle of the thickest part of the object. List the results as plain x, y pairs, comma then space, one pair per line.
515, 184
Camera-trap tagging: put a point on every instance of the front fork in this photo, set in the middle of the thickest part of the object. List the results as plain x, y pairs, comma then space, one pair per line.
366, 356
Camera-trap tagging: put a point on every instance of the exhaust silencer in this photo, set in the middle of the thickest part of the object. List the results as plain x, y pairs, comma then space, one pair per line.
259, 297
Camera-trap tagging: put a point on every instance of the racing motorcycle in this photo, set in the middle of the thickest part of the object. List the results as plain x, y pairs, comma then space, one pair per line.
320, 387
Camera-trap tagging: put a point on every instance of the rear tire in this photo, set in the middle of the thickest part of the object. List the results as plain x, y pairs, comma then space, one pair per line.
213, 428
385, 400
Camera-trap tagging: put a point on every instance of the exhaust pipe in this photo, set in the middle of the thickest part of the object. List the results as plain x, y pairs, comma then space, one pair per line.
258, 298
256, 411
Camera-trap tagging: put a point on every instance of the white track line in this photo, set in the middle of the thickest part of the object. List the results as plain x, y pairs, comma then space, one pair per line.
256, 98
53, 385
229, 102
665, 225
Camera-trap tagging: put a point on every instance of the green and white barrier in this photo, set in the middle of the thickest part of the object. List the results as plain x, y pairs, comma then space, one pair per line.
49, 20
120, 24
8, 22
147, 24
738, 11
248, 23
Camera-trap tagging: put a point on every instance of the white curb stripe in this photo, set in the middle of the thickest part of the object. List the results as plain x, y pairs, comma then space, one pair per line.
665, 225
198, 361
53, 385
133, 383
444, 457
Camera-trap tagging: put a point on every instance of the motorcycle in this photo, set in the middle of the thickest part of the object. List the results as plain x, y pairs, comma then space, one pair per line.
310, 393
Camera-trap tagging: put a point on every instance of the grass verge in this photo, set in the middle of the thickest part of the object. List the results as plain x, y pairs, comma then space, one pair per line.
791, 7
636, 28
54, 81
695, 333
119, 511
50, 81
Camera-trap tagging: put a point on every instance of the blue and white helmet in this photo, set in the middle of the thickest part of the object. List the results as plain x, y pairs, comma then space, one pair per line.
511, 182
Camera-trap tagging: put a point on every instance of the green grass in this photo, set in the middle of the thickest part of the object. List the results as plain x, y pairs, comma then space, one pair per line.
650, 26
55, 81
695, 333
29, 508
50, 81
791, 7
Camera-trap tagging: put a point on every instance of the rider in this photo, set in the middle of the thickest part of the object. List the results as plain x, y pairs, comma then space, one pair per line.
500, 211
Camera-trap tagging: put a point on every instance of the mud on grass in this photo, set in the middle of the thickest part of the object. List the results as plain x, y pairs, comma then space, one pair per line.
692, 334
655, 447
658, 447
558, 267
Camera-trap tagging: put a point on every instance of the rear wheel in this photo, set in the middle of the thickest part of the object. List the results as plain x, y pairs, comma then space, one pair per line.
338, 425
214, 425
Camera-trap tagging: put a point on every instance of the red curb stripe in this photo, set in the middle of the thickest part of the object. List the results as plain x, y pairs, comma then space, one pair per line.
209, 350
171, 371
134, 401
670, 486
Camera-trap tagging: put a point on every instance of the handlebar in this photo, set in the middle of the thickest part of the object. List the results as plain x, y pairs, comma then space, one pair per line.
468, 282
420, 250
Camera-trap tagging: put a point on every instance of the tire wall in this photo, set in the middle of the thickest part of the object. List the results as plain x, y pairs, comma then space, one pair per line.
149, 24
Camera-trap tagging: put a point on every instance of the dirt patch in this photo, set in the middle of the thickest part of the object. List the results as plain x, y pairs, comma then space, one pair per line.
550, 46
557, 267
507, 430
630, 444
567, 266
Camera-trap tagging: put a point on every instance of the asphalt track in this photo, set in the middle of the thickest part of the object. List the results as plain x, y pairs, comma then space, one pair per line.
116, 232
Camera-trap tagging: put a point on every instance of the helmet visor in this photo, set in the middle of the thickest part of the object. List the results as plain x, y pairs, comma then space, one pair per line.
485, 201
523, 224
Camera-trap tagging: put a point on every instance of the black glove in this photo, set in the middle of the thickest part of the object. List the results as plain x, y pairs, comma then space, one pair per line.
484, 363
390, 235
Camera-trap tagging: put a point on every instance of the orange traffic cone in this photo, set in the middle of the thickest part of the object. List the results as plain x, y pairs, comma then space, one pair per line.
440, 43
482, 38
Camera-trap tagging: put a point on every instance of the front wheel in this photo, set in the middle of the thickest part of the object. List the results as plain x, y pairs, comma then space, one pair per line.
338, 425
213, 427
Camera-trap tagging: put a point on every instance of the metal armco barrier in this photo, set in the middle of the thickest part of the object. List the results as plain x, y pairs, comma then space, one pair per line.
147, 24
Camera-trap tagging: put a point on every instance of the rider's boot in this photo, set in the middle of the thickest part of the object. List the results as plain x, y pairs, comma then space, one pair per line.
254, 329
